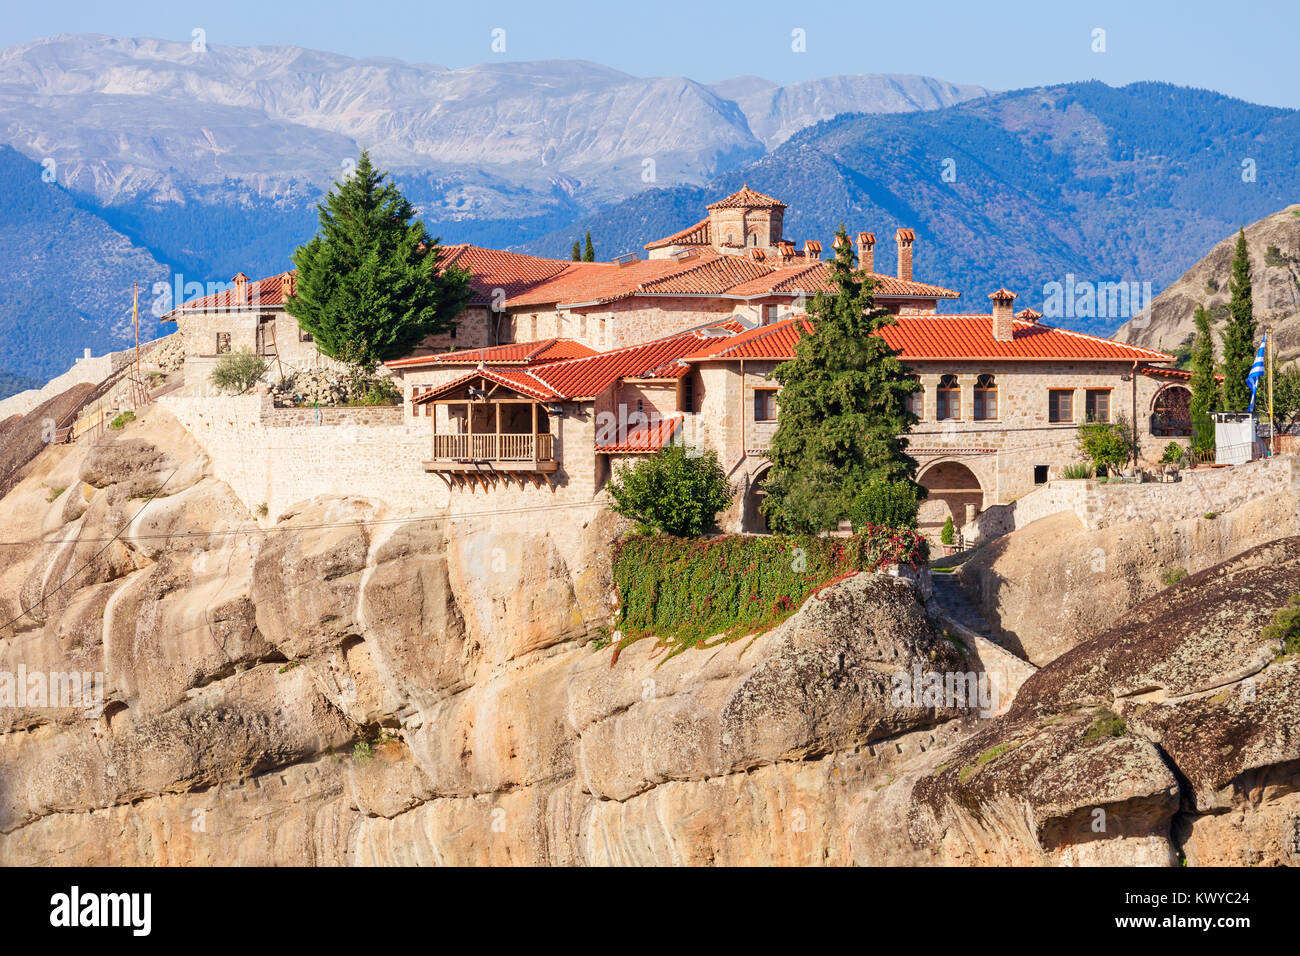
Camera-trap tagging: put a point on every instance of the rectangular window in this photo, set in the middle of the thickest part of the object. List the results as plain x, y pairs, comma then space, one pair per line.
1060, 405
223, 343
986, 404
688, 394
1097, 404
305, 336
765, 404
1040, 474
916, 403
770, 314
947, 404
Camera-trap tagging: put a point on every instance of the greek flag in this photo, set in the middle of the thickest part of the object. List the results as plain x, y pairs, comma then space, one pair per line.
1257, 370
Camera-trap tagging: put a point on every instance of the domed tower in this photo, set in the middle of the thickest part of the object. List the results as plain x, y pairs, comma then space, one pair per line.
746, 220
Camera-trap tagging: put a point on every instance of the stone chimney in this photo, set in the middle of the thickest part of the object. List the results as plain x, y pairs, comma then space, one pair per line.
1029, 315
905, 238
812, 249
1004, 327
786, 250
867, 251
288, 286
241, 289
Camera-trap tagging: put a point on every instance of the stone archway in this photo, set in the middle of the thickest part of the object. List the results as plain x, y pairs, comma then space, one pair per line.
752, 518
1171, 412
954, 490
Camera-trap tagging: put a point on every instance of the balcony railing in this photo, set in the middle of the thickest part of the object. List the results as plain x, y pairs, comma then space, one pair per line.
491, 447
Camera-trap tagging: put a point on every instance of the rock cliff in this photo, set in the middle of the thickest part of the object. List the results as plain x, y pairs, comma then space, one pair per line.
349, 683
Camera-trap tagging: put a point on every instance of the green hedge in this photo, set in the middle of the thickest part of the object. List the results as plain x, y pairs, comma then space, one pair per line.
684, 590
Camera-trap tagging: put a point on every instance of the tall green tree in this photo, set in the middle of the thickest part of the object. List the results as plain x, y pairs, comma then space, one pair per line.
589, 254
1239, 335
843, 408
369, 287
576, 255
1205, 387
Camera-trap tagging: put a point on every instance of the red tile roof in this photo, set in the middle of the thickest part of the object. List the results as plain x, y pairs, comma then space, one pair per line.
953, 337
495, 269
644, 437
746, 198
811, 278
263, 292
516, 353
520, 379
696, 235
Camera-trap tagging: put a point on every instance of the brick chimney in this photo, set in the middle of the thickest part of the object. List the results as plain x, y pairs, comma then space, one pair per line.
812, 249
905, 238
867, 251
1029, 315
758, 255
241, 289
786, 249
288, 286
1004, 327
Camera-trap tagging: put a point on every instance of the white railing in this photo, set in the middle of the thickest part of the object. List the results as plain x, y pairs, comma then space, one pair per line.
490, 447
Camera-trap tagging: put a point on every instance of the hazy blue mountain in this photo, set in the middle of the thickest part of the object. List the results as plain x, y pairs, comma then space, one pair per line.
1132, 184
11, 384
66, 276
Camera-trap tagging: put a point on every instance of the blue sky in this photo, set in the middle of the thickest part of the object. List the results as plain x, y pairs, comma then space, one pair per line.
1243, 49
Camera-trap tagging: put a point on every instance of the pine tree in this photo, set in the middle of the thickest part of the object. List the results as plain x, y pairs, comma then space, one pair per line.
843, 408
1239, 336
576, 255
1205, 387
590, 254
369, 287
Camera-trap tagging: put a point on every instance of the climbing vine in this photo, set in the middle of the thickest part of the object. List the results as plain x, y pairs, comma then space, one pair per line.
684, 591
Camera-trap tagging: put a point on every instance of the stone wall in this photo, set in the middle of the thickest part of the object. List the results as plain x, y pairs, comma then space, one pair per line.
1199, 492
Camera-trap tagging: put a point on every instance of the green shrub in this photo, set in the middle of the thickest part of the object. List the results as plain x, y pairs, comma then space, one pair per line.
676, 492
122, 420
238, 371
1105, 443
683, 590
1285, 627
1172, 576
1173, 454
886, 504
377, 391
1106, 724
949, 533
1077, 470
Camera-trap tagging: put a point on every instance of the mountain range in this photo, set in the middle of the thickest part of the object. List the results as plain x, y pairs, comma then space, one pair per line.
137, 160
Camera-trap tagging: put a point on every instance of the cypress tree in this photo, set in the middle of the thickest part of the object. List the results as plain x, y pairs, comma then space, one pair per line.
576, 255
1239, 335
1205, 387
590, 254
843, 408
369, 287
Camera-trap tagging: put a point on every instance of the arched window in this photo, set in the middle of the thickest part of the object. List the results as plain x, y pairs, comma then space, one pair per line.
948, 399
986, 398
1172, 415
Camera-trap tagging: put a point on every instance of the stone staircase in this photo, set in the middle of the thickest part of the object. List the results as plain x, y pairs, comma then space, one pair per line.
953, 603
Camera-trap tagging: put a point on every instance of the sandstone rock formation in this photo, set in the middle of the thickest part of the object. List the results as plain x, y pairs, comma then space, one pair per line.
357, 684
1171, 735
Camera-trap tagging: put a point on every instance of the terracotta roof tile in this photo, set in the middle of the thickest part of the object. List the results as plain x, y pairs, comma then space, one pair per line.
955, 337
493, 269
520, 379
746, 198
696, 235
811, 278
516, 353
644, 437
263, 292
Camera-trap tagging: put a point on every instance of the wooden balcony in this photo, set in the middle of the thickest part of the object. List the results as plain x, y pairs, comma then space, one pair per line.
492, 451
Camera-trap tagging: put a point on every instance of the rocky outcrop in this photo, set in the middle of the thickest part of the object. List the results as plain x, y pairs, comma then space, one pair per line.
353, 684
1171, 735
1053, 585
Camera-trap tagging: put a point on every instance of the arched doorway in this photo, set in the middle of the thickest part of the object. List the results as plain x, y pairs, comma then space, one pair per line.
953, 491
753, 521
1171, 412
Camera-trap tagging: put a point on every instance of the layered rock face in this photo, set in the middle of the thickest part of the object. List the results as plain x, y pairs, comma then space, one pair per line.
1171, 736
350, 683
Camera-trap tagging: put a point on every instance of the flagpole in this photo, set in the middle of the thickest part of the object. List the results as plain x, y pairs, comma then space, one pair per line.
1272, 423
